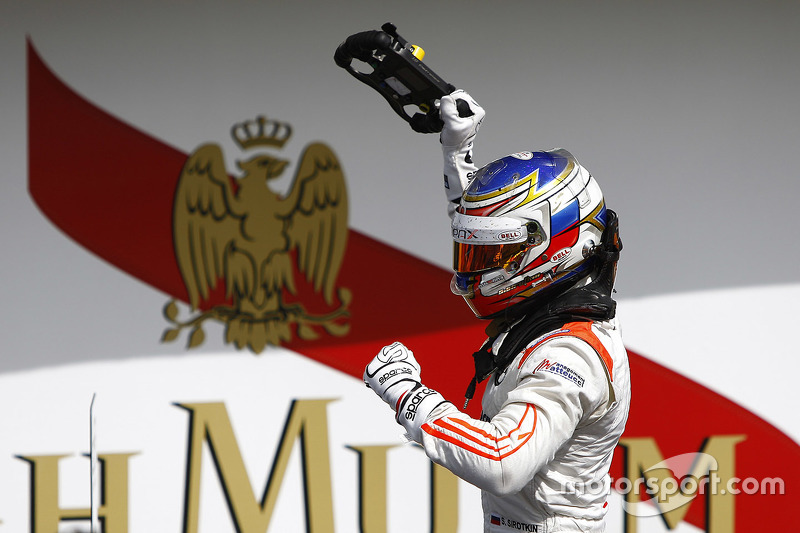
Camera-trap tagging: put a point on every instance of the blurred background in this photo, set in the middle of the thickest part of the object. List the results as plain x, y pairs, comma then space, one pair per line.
687, 113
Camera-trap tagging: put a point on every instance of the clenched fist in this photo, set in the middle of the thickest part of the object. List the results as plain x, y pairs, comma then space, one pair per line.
392, 373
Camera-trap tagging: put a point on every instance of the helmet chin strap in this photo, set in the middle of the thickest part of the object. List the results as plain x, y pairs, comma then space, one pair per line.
594, 300
590, 302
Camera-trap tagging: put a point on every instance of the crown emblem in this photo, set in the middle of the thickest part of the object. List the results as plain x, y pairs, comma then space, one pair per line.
261, 132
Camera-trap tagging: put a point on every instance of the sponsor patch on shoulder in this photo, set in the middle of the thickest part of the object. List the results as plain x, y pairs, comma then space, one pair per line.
562, 370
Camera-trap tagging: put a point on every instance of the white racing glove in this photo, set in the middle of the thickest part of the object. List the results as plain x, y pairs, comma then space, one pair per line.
394, 375
462, 117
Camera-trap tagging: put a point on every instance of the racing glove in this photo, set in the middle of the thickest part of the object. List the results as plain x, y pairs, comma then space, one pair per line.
394, 375
462, 117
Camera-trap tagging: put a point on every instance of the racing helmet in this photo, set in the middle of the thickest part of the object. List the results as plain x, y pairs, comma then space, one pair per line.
524, 231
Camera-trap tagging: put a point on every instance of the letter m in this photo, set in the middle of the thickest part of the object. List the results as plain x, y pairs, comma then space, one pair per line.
715, 462
307, 420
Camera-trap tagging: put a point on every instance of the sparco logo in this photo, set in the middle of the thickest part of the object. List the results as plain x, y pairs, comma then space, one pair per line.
393, 373
413, 405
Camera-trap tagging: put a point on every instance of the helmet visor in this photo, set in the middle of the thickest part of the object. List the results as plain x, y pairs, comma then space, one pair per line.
478, 257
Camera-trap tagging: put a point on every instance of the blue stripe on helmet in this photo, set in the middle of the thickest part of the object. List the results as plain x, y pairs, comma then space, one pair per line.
564, 219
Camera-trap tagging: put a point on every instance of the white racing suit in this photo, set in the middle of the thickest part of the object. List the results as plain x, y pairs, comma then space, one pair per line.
551, 420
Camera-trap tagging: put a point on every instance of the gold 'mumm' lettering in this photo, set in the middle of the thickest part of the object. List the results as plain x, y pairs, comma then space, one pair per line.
372, 487
45, 512
642, 461
372, 492
444, 500
307, 420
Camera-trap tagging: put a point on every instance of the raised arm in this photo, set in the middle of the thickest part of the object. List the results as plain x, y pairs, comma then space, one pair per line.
462, 117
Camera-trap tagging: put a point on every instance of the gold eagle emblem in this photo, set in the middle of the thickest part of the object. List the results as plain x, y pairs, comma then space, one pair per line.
239, 232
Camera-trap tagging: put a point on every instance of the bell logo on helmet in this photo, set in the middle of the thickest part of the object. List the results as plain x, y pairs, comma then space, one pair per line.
560, 255
509, 235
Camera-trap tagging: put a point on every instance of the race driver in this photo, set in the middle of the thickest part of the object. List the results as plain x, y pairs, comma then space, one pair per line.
535, 255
